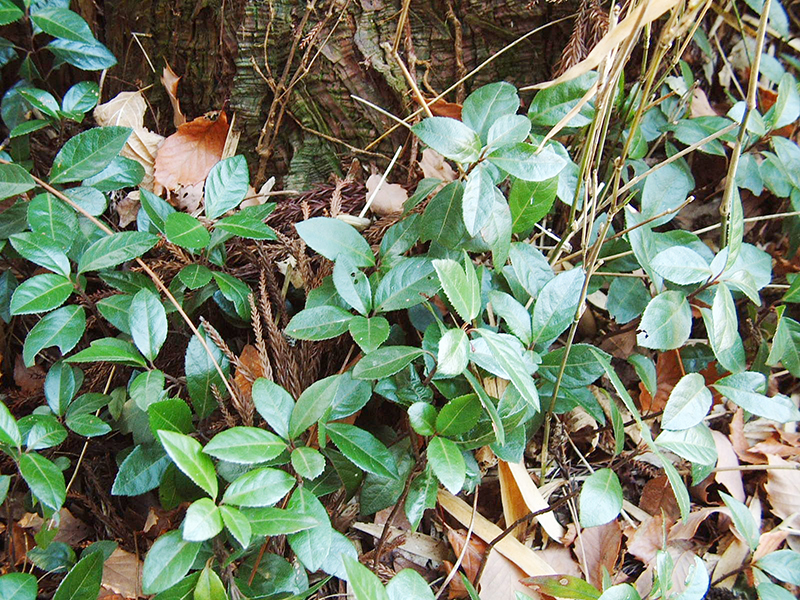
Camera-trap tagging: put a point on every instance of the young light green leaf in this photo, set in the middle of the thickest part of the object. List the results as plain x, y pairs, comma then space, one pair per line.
783, 565
209, 586
408, 283
245, 445
237, 524
187, 454
83, 580
511, 362
202, 522
725, 331
447, 463
530, 201
167, 562
517, 318
259, 487
9, 12
40, 293
555, 307
564, 586
744, 521
18, 586
333, 237
307, 462
269, 520
695, 444
450, 138
453, 355
681, 265
319, 323
476, 204
185, 231
148, 323
226, 186
487, 105
63, 328
87, 153
364, 583
114, 249
422, 417
386, 361
461, 287
370, 333
459, 415
352, 285
507, 130
688, 403
363, 449
522, 161
666, 323
245, 226
45, 480
409, 584
600, 499
9, 431
110, 350
740, 388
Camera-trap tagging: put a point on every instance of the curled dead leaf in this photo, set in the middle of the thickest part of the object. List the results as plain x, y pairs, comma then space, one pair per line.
170, 80
389, 198
433, 164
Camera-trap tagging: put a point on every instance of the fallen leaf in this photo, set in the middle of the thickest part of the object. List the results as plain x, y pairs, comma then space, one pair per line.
657, 495
646, 540
186, 157
597, 548
433, 164
701, 107
170, 80
29, 379
71, 530
669, 371
525, 497
731, 560
739, 441
726, 458
389, 199
122, 574
769, 541
189, 198
128, 208
443, 108
783, 488
244, 378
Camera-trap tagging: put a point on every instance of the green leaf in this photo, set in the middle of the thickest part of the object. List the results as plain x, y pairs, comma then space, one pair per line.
517, 318
83, 580
496, 233
511, 362
461, 287
681, 265
236, 291
63, 23
89, 199
459, 415
41, 431
771, 591
370, 333
186, 231
600, 499
167, 562
487, 105
201, 375
63, 328
141, 471
627, 299
793, 293
187, 454
14, 180
41, 250
110, 350
148, 323
556, 305
408, 283
665, 189
740, 388
552, 104
246, 227
87, 425
666, 323
745, 523
87, 153
18, 586
783, 565
422, 417
507, 130
60, 386
202, 522
278, 521
363, 449
157, 209
195, 276
117, 310
115, 249
453, 355
41, 100
307, 462
409, 584
364, 583
209, 586
9, 432
81, 97
563, 586
245, 445
695, 444
259, 487
384, 362
333, 237
522, 161
450, 138
45, 480
622, 591
786, 345
40, 293
529, 267
237, 524
121, 172
52, 218
688, 403
169, 415
447, 463
88, 57
274, 404
148, 388
28, 127
443, 219
530, 201
352, 285
9, 12
226, 186
319, 323
476, 203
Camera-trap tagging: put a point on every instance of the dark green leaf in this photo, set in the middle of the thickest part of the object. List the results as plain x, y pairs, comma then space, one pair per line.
447, 463
556, 305
236, 291
18, 586
52, 218
259, 487
169, 415
422, 417
319, 323
511, 362
63, 328
89, 152
277, 521
81, 97
459, 415
141, 471
148, 323
245, 445
14, 180
63, 23
516, 316
530, 201
40, 293
443, 219
552, 104
110, 350
195, 276
44, 479
246, 227
363, 449
9, 12
410, 282
201, 374
88, 57
121, 172
41, 250
114, 249
352, 285
87, 425
156, 208
385, 361
237, 524
83, 580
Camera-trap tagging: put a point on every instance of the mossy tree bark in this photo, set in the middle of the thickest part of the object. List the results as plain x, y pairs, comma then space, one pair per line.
237, 53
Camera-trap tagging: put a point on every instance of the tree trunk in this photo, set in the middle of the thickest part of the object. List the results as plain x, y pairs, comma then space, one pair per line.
289, 69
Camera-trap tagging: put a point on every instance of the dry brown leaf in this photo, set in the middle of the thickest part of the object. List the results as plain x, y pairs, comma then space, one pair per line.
443, 108
122, 574
189, 198
562, 560
687, 530
128, 208
739, 441
389, 199
29, 379
527, 498
646, 540
769, 542
669, 371
606, 46
726, 458
783, 488
657, 495
701, 107
71, 530
731, 560
170, 80
417, 544
433, 164
186, 157
597, 548
252, 363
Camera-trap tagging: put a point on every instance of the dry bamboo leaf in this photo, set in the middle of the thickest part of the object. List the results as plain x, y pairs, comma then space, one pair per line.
514, 506
597, 548
389, 199
783, 488
525, 558
186, 157
532, 500
726, 458
122, 574
606, 46
433, 164
170, 80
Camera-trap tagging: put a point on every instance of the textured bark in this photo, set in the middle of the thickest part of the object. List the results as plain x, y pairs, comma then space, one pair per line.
225, 48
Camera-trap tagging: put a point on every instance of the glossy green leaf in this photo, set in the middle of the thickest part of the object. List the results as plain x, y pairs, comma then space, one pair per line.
450, 138
688, 404
627, 299
363, 449
18, 586
121, 172
552, 104
41, 250
235, 290
45, 480
186, 231
422, 417
157, 209
507, 130
666, 323
515, 315
201, 374
41, 431
556, 305
187, 454
50, 217
209, 586
741, 389
695, 444
274, 404
60, 386
352, 285
195, 276
278, 521
9, 431
237, 524
443, 219
386, 361
167, 562
563, 586
83, 580
486, 105
115, 249
117, 310
453, 355
447, 463
600, 499
319, 323
245, 445
147, 388
40, 293
202, 521
364, 583
9, 12
522, 161
226, 186
259, 487
681, 265
87, 425
110, 350
461, 286
530, 201
408, 283
148, 323
307, 462
513, 365
89, 152
63, 328
370, 333
63, 23
169, 415
476, 203
332, 237
14, 180
141, 471
246, 227
459, 415
81, 97
409, 584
